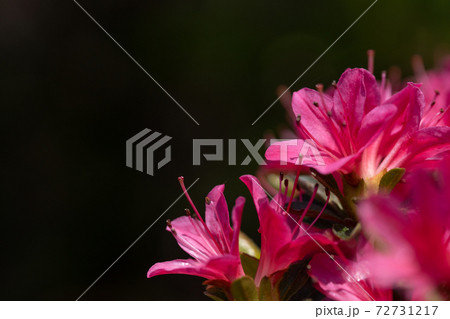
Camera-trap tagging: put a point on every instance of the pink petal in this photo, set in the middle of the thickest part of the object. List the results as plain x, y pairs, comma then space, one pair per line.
332, 165
300, 248
237, 218
193, 238
217, 217
383, 222
290, 154
357, 94
382, 219
184, 267
227, 265
410, 103
314, 118
274, 229
340, 285
424, 145
259, 195
275, 233
374, 123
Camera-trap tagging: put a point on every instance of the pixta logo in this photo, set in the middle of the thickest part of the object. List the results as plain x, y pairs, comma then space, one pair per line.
140, 150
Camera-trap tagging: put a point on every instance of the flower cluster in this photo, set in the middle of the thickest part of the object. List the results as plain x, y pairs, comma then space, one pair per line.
364, 217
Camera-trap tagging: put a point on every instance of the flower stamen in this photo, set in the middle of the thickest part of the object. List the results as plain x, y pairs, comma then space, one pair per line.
316, 188
183, 187
294, 187
328, 116
327, 192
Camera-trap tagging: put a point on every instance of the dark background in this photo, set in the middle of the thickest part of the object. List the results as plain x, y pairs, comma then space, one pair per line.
70, 98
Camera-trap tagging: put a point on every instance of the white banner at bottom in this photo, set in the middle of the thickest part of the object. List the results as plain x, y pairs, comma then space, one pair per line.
228, 310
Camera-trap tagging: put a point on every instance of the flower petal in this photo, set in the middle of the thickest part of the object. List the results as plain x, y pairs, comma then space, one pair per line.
193, 238
296, 153
424, 145
410, 104
184, 267
275, 233
227, 265
237, 218
259, 195
304, 246
314, 120
373, 124
349, 285
217, 217
356, 94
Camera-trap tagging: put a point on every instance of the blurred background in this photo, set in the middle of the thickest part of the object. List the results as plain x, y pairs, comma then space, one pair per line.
70, 98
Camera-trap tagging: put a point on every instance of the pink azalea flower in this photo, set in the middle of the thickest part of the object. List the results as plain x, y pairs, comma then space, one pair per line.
413, 240
352, 282
212, 243
436, 89
356, 133
283, 242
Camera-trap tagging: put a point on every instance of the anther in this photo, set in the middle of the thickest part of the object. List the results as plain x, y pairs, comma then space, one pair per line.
188, 212
207, 200
316, 104
334, 84
280, 181
169, 224
298, 119
286, 187
297, 176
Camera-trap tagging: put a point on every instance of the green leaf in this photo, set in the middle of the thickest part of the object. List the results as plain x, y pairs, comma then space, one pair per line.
250, 264
244, 289
341, 231
248, 246
216, 294
217, 289
293, 280
345, 232
265, 290
390, 179
354, 190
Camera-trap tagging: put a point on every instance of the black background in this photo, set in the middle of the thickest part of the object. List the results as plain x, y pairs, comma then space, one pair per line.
70, 98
